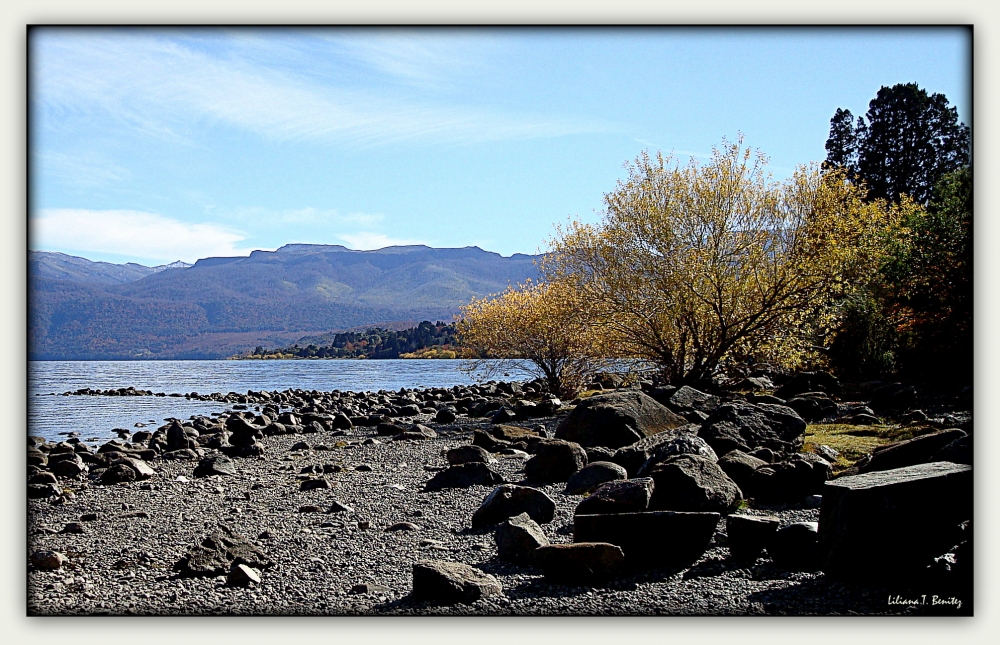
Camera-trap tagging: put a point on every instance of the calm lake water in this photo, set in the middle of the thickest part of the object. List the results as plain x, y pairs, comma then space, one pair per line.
96, 416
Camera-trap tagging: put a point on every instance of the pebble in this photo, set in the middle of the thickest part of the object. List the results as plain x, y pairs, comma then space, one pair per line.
403, 526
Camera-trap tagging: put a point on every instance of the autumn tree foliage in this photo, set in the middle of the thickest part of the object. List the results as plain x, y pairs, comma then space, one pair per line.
915, 317
695, 265
538, 327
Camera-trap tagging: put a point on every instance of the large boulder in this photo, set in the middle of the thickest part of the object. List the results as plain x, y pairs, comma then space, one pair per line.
686, 400
740, 467
141, 468
118, 474
216, 465
744, 426
616, 419
748, 535
488, 442
68, 468
445, 415
661, 394
464, 475
801, 474
685, 444
468, 454
243, 433
958, 451
813, 406
582, 563
650, 539
593, 475
341, 422
386, 429
693, 483
554, 461
891, 523
517, 539
48, 560
449, 583
177, 439
622, 496
508, 500
42, 491
515, 433
633, 456
794, 547
914, 451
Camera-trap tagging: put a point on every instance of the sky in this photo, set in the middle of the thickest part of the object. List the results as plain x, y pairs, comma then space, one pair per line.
152, 145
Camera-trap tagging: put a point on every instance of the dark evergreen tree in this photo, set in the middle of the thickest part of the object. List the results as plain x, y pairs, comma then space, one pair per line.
842, 144
907, 141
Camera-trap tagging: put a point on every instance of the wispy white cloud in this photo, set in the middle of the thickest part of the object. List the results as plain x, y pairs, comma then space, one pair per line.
418, 58
81, 169
367, 241
146, 236
165, 87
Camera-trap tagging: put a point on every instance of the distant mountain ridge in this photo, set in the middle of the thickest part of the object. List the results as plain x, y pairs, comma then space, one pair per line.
68, 267
217, 307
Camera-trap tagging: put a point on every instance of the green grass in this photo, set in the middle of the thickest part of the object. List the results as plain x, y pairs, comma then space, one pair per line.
853, 442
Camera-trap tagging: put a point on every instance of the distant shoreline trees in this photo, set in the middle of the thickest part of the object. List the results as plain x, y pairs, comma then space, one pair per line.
426, 340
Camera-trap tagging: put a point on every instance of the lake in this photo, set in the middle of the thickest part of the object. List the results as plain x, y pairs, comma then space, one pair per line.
94, 417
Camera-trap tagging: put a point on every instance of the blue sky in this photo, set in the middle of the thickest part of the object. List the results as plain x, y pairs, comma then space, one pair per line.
153, 145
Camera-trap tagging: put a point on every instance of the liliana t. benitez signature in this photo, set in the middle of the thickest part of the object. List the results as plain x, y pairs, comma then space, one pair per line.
935, 600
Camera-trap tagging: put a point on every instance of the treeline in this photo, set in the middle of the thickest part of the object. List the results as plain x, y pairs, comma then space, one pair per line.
426, 340
913, 317
861, 264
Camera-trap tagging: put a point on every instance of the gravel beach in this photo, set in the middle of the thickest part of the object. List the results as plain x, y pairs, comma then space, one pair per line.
122, 542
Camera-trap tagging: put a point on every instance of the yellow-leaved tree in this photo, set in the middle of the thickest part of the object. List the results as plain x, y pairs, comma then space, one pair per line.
539, 328
696, 265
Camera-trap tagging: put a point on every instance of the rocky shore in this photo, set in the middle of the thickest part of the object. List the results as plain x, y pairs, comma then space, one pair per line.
479, 500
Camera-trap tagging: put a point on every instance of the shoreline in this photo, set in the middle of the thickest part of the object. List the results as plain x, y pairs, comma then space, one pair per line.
122, 541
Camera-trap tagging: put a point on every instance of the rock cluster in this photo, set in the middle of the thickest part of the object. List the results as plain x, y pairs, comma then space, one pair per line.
389, 504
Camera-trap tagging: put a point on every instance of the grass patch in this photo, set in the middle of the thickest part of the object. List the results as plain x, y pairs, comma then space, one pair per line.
853, 442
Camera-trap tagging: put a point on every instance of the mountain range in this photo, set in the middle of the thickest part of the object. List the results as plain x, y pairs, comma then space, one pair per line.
217, 307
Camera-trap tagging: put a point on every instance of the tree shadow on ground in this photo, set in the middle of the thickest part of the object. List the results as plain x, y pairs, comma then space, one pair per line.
822, 596
713, 567
541, 587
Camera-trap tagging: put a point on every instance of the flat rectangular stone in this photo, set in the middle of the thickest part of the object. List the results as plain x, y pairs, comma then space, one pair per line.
650, 539
892, 522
